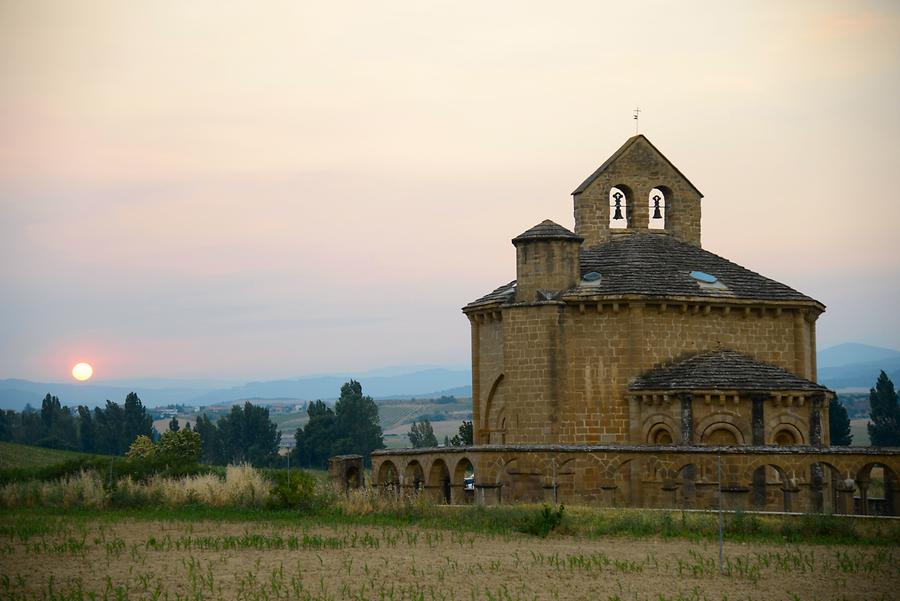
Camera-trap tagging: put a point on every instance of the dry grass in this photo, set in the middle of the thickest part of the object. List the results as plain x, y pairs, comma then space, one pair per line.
243, 486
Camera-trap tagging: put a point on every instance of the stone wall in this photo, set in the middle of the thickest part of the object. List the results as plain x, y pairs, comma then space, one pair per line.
638, 170
555, 372
546, 265
767, 478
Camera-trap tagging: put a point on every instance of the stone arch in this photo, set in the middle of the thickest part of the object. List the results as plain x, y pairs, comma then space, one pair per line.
762, 485
785, 434
490, 405
721, 434
890, 484
656, 424
782, 421
660, 199
826, 480
414, 476
726, 420
463, 469
439, 480
387, 474
354, 477
622, 198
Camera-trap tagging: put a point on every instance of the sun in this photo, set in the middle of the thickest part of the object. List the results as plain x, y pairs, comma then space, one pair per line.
82, 371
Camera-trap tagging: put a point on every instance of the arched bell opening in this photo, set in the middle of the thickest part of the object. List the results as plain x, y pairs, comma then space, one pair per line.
620, 198
658, 207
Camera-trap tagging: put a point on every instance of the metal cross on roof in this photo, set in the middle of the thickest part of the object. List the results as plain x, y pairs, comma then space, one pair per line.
637, 111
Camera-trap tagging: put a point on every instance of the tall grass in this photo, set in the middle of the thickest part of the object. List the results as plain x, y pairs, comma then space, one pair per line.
242, 486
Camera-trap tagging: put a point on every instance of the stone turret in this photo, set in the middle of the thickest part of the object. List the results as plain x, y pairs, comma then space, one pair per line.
547, 261
649, 191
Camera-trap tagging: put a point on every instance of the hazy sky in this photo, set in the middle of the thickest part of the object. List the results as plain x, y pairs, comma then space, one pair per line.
264, 189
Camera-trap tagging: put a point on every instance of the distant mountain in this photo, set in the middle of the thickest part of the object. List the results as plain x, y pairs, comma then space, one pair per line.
856, 366
418, 383
853, 352
14, 394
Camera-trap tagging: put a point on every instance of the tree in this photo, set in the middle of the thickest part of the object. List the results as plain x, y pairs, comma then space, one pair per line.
315, 441
838, 424
109, 428
181, 447
137, 420
248, 435
421, 435
59, 430
141, 448
465, 436
173, 425
211, 450
85, 429
884, 411
357, 422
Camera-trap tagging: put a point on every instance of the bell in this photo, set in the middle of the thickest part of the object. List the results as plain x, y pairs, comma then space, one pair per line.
618, 198
656, 212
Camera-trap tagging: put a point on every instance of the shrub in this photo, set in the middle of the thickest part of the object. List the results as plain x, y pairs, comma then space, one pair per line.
141, 448
541, 523
294, 490
179, 448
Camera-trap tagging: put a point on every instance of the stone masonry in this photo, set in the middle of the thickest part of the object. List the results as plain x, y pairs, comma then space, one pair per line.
625, 359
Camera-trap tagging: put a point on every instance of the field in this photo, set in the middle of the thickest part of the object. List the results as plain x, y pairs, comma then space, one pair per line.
860, 430
24, 456
84, 556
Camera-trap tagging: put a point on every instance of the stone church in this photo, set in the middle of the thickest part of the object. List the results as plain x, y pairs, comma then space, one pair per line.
626, 365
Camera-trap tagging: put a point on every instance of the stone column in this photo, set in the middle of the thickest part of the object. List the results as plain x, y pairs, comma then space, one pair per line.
478, 434
864, 497
687, 419
816, 484
845, 490
758, 419
815, 420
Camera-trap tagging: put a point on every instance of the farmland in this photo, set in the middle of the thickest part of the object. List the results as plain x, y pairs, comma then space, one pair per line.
14, 455
119, 557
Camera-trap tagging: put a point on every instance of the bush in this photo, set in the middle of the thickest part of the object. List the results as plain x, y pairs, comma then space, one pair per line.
141, 448
543, 522
179, 448
294, 490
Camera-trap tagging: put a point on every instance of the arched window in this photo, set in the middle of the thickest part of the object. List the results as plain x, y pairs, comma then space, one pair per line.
658, 209
618, 207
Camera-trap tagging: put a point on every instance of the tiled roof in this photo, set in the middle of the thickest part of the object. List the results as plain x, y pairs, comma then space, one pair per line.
502, 294
720, 370
659, 266
547, 230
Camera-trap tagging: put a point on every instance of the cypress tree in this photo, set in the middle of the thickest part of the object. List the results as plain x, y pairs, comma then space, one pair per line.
884, 411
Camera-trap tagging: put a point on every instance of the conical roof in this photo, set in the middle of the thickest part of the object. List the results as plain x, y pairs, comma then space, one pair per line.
547, 230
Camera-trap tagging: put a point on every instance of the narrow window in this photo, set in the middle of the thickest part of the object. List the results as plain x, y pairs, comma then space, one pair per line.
657, 209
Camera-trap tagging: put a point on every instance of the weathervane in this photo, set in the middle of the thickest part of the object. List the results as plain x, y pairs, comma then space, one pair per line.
636, 113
